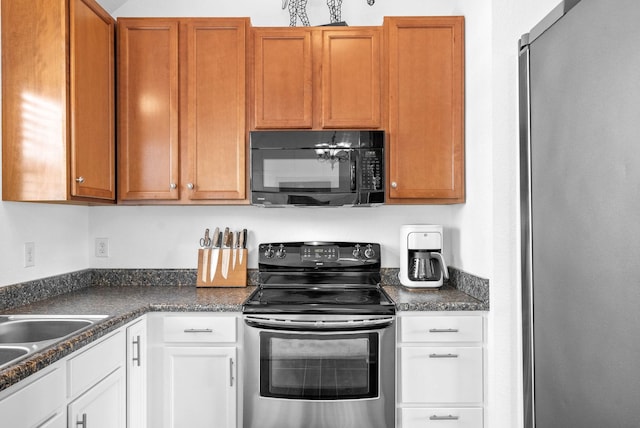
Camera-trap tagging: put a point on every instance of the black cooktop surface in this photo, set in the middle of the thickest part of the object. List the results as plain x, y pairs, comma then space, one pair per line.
342, 300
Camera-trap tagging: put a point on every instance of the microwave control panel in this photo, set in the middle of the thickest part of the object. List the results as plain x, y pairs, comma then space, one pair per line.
371, 167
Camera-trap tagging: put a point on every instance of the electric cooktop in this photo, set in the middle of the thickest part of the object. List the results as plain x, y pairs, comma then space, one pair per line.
319, 277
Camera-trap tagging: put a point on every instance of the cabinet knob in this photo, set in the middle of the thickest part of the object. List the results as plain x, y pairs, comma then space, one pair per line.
173, 186
80, 179
190, 186
394, 185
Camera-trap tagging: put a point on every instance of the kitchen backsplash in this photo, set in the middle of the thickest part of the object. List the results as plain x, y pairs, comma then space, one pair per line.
32, 291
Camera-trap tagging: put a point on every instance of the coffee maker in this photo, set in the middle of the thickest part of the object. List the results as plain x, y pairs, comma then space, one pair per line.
421, 261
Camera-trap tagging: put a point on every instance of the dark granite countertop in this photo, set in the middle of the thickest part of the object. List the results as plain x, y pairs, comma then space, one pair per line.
446, 298
122, 304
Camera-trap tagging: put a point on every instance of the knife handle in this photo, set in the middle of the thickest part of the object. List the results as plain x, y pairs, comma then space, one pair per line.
225, 238
244, 239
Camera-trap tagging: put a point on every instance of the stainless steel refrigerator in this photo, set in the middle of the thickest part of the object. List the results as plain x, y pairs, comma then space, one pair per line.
580, 188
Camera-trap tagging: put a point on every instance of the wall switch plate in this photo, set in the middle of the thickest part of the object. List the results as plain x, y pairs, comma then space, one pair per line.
102, 247
29, 254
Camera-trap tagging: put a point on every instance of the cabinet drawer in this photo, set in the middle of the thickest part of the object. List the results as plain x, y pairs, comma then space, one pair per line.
441, 418
441, 375
441, 329
40, 401
199, 329
94, 364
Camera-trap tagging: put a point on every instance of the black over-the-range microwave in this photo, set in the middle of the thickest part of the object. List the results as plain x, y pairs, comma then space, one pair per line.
317, 168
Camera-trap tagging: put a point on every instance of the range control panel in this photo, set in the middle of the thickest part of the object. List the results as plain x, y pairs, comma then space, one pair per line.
319, 253
300, 255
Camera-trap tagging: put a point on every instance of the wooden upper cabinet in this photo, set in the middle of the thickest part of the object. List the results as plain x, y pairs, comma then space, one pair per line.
182, 117
317, 78
425, 144
58, 142
283, 78
92, 101
351, 78
216, 109
148, 86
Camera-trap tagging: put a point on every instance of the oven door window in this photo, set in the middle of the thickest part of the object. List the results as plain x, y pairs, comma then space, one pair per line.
308, 170
319, 367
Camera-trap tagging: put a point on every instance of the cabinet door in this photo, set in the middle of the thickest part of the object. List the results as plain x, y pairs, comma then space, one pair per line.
283, 82
137, 375
200, 387
92, 101
215, 111
34, 100
426, 109
39, 403
148, 109
441, 417
103, 406
441, 375
351, 78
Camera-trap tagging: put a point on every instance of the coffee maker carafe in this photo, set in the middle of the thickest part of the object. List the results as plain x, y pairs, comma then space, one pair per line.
421, 261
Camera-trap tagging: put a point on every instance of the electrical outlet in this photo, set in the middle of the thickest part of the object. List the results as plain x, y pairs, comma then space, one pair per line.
102, 247
29, 254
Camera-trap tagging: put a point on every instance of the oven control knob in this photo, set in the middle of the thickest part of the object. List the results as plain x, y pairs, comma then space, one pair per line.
268, 253
357, 253
281, 253
369, 252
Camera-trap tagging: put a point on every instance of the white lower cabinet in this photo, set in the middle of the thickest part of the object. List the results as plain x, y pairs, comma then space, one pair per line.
441, 374
441, 417
103, 406
440, 380
97, 384
83, 390
38, 401
194, 358
137, 363
201, 387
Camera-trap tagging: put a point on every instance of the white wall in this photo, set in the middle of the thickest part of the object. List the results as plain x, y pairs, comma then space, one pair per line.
60, 237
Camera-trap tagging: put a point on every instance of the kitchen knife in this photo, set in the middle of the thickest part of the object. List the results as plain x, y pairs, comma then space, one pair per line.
226, 242
215, 253
205, 262
236, 237
242, 242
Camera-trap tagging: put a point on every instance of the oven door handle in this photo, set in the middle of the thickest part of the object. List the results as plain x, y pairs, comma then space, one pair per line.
378, 323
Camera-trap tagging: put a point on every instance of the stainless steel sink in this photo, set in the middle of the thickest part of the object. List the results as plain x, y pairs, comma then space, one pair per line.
11, 353
29, 330
23, 335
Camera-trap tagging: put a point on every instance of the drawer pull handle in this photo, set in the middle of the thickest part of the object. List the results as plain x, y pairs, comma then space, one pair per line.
135, 360
198, 330
83, 422
443, 330
443, 418
231, 372
443, 355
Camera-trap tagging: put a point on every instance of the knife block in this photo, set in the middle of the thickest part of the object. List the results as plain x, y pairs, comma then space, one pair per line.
211, 266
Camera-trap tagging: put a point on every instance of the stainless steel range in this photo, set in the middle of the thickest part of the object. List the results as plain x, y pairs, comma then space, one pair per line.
319, 339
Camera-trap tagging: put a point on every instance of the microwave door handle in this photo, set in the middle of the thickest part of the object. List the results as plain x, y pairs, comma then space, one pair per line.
353, 174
